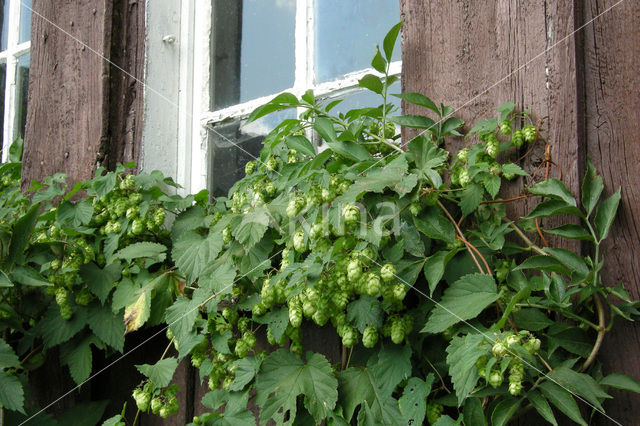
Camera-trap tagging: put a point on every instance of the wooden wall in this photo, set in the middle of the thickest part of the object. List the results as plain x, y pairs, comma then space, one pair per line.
478, 54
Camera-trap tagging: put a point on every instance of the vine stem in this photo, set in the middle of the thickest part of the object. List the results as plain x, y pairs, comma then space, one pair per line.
601, 332
530, 244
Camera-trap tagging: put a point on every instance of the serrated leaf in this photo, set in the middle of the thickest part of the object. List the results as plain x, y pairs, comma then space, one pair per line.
484, 126
107, 327
282, 101
544, 263
301, 144
284, 376
462, 354
74, 215
434, 268
26, 275
357, 386
144, 249
364, 312
531, 319
553, 208
473, 412
463, 300
605, 213
54, 330
492, 184
433, 224
579, 384
218, 278
571, 231
161, 372
504, 411
511, 168
505, 109
562, 400
450, 126
542, 406
392, 367
277, 320
22, 230
413, 121
592, 187
78, 358
621, 381
245, 371
181, 316
192, 252
8, 358
137, 313
418, 99
413, 402
470, 198
553, 189
426, 155
569, 259
100, 281
11, 392
572, 339
371, 82
86, 414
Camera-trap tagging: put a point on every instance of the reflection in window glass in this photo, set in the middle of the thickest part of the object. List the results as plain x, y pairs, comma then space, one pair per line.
233, 145
25, 21
253, 44
367, 98
22, 90
347, 32
4, 21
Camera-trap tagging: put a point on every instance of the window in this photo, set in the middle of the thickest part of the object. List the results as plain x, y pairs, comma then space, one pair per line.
15, 21
233, 55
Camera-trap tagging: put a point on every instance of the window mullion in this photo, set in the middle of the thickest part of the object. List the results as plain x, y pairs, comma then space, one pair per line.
10, 87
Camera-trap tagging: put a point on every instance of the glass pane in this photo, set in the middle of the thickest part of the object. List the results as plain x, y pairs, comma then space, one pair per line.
366, 98
25, 21
4, 21
22, 90
232, 146
347, 32
3, 80
254, 49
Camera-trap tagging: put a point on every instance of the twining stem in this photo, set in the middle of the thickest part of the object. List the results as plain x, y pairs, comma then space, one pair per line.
472, 247
167, 349
343, 361
601, 332
530, 244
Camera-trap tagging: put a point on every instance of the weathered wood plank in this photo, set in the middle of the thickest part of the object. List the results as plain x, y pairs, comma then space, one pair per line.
68, 83
611, 64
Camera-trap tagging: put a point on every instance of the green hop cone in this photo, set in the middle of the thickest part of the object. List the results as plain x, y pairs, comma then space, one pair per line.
495, 378
415, 208
529, 133
249, 168
397, 332
142, 399
517, 139
373, 284
515, 388
505, 127
463, 177
499, 349
156, 405
370, 337
462, 155
295, 316
434, 411
354, 271
387, 272
350, 337
350, 214
299, 244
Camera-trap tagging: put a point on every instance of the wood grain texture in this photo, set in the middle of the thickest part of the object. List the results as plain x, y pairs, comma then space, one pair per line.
612, 99
68, 82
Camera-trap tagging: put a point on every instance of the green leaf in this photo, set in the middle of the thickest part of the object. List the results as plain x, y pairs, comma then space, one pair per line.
544, 263
462, 354
572, 339
492, 184
426, 154
569, 259
138, 312
505, 109
349, 149
371, 82
571, 231
144, 249
277, 319
11, 392
531, 319
553, 189
218, 278
390, 40
463, 300
434, 268
451, 125
78, 358
553, 208
192, 252
484, 126
252, 228
433, 224
562, 400
86, 414
283, 376
418, 99
8, 358
107, 326
413, 121
357, 386
74, 215
579, 384
392, 367
301, 144
100, 281
22, 232
621, 381
378, 63
605, 213
413, 402
246, 369
542, 406
473, 412
161, 372
470, 198
282, 101
364, 312
181, 316
592, 187
504, 411
54, 330
325, 129
511, 168
26, 275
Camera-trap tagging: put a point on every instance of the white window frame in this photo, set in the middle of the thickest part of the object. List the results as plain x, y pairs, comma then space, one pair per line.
10, 58
191, 44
